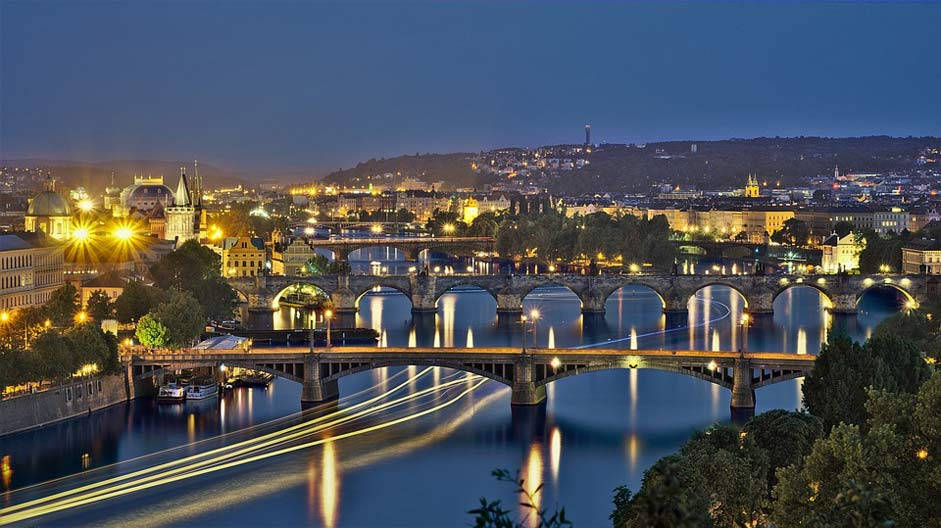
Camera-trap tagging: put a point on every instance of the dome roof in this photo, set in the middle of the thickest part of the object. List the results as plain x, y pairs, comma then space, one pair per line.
49, 203
149, 191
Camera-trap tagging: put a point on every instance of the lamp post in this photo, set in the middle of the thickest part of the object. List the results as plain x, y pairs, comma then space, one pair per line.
312, 317
534, 315
745, 323
523, 319
328, 316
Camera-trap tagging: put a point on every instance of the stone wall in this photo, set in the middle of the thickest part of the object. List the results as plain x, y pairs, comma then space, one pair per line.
61, 403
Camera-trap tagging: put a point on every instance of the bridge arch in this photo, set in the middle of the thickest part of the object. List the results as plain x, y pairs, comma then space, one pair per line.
378, 286
608, 295
469, 285
719, 376
299, 288
909, 299
501, 373
721, 283
806, 284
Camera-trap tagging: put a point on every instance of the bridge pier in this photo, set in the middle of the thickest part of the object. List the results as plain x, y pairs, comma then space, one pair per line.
524, 390
743, 395
760, 304
344, 301
843, 303
592, 302
260, 318
315, 390
509, 303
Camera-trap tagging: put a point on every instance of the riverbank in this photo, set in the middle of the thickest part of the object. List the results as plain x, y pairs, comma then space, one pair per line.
63, 402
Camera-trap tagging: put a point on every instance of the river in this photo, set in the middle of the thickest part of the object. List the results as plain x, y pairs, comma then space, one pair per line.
420, 451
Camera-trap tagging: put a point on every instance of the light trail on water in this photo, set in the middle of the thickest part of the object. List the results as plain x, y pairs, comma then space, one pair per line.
682, 328
242, 453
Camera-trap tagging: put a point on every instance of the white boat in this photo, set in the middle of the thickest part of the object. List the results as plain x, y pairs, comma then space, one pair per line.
171, 391
201, 389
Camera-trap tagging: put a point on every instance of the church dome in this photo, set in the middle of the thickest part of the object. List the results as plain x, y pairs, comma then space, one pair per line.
49, 203
150, 192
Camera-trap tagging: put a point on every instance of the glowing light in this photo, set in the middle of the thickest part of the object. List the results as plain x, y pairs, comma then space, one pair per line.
81, 317
922, 454
86, 205
534, 314
4, 317
80, 234
123, 233
555, 363
551, 268
713, 366
448, 228
376, 228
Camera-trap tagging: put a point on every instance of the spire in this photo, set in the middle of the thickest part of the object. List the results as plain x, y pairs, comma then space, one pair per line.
182, 197
197, 185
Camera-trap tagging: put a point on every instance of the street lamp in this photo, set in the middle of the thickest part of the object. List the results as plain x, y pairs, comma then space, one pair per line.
448, 229
81, 317
745, 323
328, 316
534, 315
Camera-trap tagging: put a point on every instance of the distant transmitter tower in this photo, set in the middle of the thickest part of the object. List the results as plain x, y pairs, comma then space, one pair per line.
588, 134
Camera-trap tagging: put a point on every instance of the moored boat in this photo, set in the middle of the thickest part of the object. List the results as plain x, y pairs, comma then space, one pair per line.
171, 392
202, 388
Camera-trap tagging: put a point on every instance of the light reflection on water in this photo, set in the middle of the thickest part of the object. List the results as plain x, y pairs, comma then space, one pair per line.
601, 429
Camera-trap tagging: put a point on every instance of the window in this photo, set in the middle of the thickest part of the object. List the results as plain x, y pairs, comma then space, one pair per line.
89, 388
68, 394
78, 391
99, 385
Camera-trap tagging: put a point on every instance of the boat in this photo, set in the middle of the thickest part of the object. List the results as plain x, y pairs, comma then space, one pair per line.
255, 379
171, 392
202, 388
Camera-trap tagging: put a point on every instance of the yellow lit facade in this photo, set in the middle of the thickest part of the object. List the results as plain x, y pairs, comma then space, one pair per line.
841, 254
243, 256
31, 269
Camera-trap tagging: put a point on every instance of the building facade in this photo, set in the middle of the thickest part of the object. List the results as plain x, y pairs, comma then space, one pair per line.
841, 254
243, 256
922, 257
31, 269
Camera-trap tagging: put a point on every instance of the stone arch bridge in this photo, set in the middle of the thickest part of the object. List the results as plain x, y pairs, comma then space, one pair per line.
759, 291
526, 373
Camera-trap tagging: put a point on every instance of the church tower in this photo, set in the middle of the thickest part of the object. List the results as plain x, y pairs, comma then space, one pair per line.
751, 188
181, 218
201, 227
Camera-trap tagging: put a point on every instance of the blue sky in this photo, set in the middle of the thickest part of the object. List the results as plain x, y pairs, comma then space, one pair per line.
322, 85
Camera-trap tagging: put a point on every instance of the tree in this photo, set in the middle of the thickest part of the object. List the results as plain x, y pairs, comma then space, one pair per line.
62, 306
835, 391
88, 346
54, 356
491, 514
137, 300
886, 476
843, 228
917, 326
182, 317
880, 252
794, 232
786, 436
195, 268
680, 490
99, 306
151, 332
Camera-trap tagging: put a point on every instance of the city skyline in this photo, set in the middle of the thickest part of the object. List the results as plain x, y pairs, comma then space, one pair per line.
325, 86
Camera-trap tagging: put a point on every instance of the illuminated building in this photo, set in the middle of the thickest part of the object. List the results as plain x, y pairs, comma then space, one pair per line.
144, 195
31, 268
471, 210
50, 213
841, 253
751, 187
588, 134
922, 256
243, 256
181, 217
292, 259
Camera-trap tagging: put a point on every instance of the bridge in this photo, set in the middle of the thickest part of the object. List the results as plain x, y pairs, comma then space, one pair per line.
526, 373
410, 246
842, 292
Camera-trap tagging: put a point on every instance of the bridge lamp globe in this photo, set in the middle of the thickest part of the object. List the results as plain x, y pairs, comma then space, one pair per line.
713, 366
376, 229
328, 314
534, 314
555, 363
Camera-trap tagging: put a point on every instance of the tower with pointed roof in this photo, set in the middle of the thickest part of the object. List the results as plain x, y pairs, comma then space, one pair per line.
181, 217
751, 187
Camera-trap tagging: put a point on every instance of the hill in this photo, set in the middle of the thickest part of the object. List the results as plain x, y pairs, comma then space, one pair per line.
631, 168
